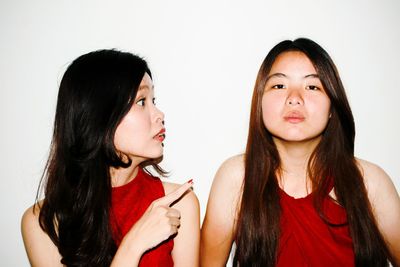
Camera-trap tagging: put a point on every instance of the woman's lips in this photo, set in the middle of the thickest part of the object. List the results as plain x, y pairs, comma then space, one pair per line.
160, 136
294, 117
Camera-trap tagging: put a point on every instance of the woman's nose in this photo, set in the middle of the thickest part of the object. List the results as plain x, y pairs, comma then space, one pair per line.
159, 115
294, 98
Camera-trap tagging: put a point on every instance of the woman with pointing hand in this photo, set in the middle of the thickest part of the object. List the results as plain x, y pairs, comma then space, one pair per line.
102, 207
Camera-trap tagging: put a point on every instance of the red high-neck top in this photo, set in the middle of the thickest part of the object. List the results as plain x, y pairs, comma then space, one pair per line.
307, 240
129, 202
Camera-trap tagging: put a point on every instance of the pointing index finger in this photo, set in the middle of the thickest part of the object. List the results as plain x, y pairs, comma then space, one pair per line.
175, 195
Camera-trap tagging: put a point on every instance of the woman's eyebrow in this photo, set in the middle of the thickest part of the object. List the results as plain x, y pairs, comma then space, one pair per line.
143, 87
313, 75
278, 74
282, 75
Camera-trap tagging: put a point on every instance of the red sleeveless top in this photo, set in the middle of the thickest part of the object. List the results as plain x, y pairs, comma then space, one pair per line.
129, 202
307, 240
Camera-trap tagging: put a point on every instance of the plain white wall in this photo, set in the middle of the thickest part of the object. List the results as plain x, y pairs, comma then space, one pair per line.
204, 56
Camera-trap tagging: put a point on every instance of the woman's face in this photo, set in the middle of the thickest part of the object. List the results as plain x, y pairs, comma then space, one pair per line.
141, 132
295, 107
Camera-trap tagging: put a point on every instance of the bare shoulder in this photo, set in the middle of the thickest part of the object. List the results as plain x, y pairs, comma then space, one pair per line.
217, 232
187, 241
382, 193
231, 172
385, 202
30, 218
226, 190
376, 180
187, 201
371, 171
40, 249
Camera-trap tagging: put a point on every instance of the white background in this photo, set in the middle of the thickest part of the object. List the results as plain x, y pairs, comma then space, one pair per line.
204, 56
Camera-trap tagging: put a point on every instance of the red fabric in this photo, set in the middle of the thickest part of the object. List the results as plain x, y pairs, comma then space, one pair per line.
129, 202
306, 239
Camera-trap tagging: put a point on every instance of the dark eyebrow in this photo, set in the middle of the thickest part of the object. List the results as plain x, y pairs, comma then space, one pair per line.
278, 74
282, 75
312, 76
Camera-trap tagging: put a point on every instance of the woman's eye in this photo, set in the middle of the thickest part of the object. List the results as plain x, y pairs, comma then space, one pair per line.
278, 86
312, 87
154, 101
141, 102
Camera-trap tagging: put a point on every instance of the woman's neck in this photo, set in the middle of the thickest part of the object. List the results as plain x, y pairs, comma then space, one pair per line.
294, 157
121, 176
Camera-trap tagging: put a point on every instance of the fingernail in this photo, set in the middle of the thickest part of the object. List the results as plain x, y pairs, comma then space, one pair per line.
190, 181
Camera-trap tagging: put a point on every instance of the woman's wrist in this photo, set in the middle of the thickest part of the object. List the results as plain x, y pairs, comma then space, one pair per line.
128, 254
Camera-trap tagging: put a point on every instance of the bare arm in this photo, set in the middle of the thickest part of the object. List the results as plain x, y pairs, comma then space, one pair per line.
187, 241
385, 203
40, 249
219, 222
157, 224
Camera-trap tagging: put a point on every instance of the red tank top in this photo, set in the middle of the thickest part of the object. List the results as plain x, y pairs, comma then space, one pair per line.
129, 202
307, 240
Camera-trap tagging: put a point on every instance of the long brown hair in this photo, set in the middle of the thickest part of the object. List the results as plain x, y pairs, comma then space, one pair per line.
258, 223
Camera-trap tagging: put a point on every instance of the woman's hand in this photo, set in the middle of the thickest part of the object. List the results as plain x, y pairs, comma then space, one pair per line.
156, 225
160, 221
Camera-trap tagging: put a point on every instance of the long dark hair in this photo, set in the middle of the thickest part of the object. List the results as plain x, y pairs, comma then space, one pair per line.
258, 223
96, 92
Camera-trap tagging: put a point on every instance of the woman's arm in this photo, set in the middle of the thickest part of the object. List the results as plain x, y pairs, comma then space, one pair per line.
385, 204
40, 249
187, 241
157, 224
219, 222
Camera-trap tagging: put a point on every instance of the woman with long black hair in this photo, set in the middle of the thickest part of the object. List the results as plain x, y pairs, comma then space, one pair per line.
298, 196
102, 205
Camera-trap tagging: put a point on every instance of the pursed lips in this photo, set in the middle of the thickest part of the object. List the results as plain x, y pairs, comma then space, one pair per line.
160, 136
294, 117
